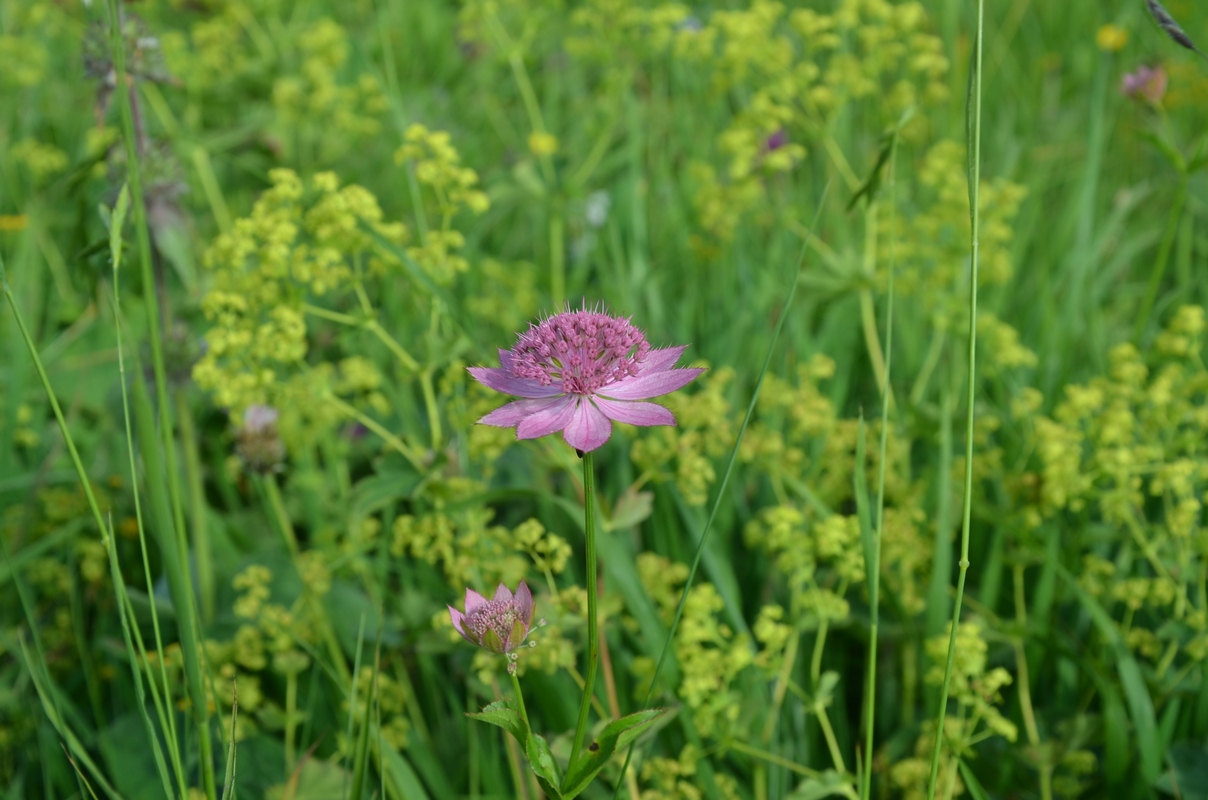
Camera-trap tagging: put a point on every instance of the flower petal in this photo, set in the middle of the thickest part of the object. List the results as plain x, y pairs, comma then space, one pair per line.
661, 360
502, 593
514, 413
646, 386
502, 380
588, 428
524, 604
474, 600
456, 617
553, 417
635, 413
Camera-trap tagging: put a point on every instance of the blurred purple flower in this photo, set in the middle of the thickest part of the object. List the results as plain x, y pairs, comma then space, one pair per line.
776, 141
579, 371
1147, 84
500, 624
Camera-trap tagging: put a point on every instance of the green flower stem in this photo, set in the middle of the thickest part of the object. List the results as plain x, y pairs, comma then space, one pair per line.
519, 699
966, 523
593, 639
879, 531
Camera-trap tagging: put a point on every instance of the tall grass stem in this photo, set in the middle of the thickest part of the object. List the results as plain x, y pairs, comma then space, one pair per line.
966, 522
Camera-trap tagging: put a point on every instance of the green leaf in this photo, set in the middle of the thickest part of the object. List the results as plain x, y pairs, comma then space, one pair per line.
827, 784
116, 221
827, 682
1188, 775
971, 782
616, 734
632, 508
500, 713
542, 761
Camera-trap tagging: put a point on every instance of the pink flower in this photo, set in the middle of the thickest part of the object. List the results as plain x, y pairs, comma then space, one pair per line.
1146, 83
578, 371
500, 624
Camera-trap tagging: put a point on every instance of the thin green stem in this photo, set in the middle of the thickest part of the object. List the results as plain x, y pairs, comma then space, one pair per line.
593, 637
878, 532
772, 758
519, 698
966, 522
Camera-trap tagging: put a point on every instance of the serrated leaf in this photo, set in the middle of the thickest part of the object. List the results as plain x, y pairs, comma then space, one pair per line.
544, 766
616, 734
501, 714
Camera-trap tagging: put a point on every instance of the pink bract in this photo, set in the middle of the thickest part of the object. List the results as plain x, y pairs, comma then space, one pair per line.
500, 624
578, 372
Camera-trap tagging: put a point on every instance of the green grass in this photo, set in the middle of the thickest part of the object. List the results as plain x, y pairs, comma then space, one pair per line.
791, 569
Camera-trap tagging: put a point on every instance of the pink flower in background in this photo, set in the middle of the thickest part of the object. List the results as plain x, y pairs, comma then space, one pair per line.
578, 372
1145, 83
500, 624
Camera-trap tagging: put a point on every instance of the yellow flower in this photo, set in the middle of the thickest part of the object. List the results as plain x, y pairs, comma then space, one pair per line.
13, 222
542, 143
1111, 38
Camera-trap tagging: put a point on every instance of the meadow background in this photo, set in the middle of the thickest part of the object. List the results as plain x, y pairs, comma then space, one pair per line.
346, 204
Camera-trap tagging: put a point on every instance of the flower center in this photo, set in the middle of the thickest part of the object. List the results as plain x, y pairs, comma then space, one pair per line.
581, 351
496, 615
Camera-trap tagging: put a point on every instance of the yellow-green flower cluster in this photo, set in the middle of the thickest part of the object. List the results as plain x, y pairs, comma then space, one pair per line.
42, 160
710, 654
315, 95
676, 778
437, 165
796, 71
932, 250
298, 244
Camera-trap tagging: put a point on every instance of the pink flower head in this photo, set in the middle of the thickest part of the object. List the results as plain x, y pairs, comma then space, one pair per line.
500, 624
578, 371
1147, 84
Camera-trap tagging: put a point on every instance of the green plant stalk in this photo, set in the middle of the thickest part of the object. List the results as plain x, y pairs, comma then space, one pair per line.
593, 637
179, 585
520, 699
143, 233
197, 509
725, 478
167, 719
878, 532
119, 589
975, 180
